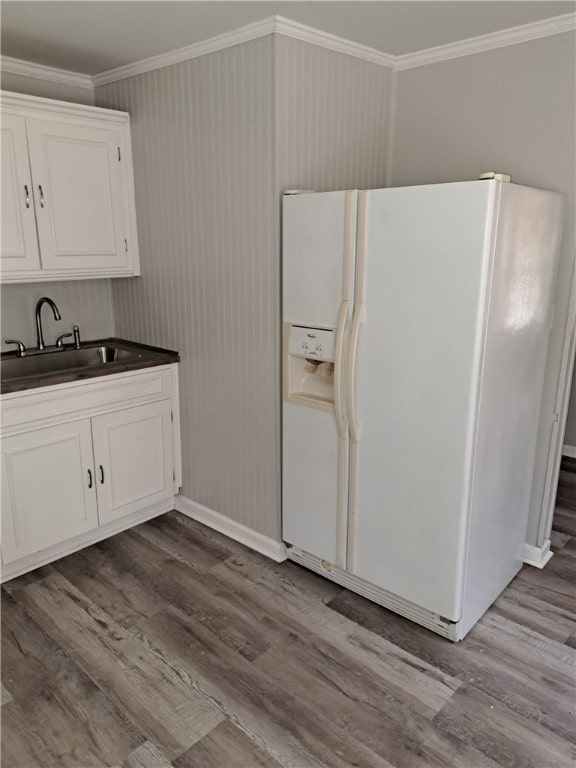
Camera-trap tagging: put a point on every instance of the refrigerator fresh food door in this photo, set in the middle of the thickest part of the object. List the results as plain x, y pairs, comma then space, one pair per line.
319, 236
423, 266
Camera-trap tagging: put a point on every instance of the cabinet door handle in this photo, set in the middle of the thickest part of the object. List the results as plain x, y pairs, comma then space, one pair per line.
89, 478
27, 195
101, 474
41, 196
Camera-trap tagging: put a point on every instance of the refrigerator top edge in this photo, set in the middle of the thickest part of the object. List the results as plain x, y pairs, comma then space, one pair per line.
469, 182
491, 182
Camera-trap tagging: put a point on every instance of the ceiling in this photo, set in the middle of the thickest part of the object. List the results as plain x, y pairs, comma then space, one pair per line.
92, 36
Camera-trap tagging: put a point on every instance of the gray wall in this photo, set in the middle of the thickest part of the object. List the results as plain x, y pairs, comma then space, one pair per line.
215, 139
202, 138
86, 303
81, 302
331, 119
512, 110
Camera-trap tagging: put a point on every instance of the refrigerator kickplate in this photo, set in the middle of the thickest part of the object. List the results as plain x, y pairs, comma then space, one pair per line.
449, 630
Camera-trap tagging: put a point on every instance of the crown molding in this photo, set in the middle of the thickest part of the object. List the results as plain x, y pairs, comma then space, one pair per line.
293, 29
299, 31
501, 39
269, 26
213, 44
40, 72
31, 106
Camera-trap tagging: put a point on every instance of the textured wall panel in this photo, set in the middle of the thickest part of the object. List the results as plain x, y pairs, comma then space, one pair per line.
85, 303
512, 110
331, 118
202, 136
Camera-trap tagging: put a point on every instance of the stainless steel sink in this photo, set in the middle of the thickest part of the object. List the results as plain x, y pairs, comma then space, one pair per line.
67, 360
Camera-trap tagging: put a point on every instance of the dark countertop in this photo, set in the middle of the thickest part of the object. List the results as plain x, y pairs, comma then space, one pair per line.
136, 356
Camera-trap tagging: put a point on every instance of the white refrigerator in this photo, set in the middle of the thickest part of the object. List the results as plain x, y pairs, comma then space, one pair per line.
416, 323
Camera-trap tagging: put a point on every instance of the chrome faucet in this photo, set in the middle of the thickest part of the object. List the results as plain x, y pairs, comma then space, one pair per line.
57, 316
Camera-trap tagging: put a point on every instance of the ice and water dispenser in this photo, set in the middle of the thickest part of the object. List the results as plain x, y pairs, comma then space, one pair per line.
309, 366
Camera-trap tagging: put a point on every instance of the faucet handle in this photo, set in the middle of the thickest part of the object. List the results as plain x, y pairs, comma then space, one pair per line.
60, 340
76, 331
21, 352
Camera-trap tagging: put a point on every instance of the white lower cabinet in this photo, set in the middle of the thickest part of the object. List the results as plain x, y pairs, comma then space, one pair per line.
48, 488
67, 485
133, 459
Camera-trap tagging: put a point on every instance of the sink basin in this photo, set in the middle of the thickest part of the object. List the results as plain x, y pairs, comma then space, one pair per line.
58, 361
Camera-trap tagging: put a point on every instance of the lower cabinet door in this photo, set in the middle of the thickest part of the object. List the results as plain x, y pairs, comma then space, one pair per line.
48, 488
133, 459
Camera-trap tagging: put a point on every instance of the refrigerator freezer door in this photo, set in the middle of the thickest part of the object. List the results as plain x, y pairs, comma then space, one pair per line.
427, 260
319, 236
310, 481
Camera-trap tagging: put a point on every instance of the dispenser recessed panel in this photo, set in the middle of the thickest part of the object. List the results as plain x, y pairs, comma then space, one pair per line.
316, 343
309, 366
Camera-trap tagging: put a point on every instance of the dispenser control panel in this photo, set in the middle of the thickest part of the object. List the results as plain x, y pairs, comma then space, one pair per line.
316, 343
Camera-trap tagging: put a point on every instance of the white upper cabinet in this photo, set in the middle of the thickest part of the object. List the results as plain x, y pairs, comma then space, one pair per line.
67, 192
78, 192
19, 239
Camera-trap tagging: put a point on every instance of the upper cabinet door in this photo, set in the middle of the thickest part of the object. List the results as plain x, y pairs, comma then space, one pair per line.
19, 248
77, 177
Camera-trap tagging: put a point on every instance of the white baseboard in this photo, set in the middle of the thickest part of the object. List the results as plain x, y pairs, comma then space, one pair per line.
537, 556
569, 450
272, 548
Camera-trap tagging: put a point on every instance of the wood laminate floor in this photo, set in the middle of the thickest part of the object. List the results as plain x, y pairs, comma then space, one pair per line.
566, 496
170, 646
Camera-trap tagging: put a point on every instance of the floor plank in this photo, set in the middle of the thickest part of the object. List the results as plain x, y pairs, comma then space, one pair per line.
277, 722
558, 540
109, 585
169, 646
497, 657
5, 696
21, 745
538, 615
566, 494
555, 584
363, 709
286, 604
502, 734
192, 591
565, 516
157, 698
71, 716
226, 746
146, 756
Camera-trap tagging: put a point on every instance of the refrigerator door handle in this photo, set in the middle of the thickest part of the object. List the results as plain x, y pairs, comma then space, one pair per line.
359, 314
351, 374
339, 371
